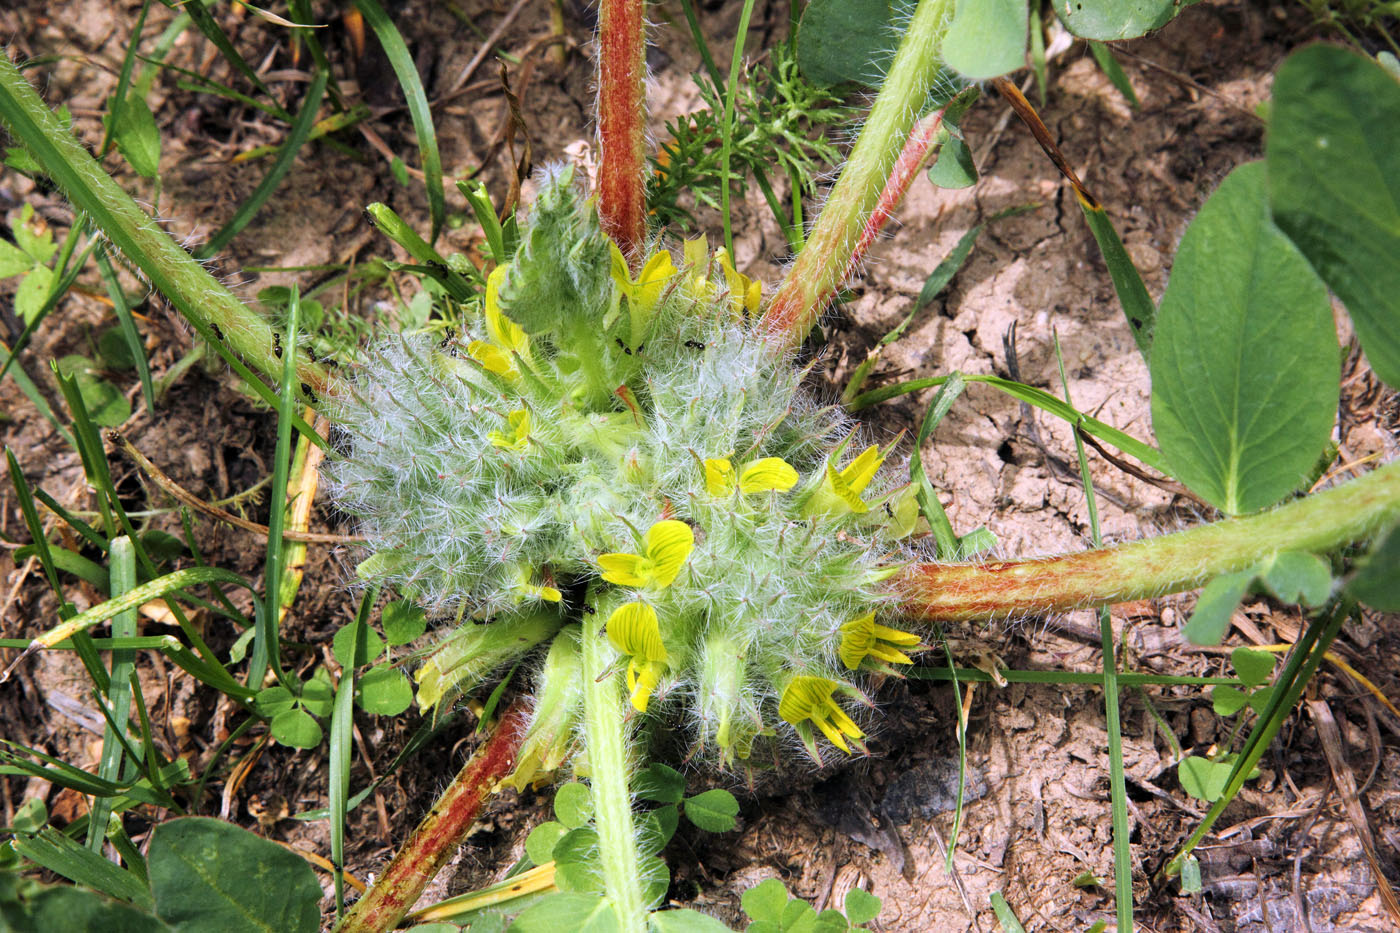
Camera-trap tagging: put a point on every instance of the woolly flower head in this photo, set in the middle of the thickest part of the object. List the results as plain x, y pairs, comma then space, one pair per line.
605, 442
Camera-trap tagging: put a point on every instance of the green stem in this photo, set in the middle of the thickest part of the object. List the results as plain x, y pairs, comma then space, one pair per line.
821, 266
1155, 566
606, 734
213, 310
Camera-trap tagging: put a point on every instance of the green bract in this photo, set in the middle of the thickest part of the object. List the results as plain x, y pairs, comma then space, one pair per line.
562, 459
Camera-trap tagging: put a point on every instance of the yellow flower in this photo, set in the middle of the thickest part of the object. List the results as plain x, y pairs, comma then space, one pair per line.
771, 474
507, 338
517, 434
744, 292
539, 591
668, 546
808, 698
864, 637
841, 490
644, 292
634, 630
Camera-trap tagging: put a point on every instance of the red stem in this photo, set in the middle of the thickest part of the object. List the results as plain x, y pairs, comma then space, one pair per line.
441, 831
795, 306
621, 116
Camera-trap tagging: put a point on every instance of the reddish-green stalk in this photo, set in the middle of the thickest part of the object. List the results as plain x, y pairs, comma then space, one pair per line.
621, 125
831, 248
441, 831
1317, 523
912, 158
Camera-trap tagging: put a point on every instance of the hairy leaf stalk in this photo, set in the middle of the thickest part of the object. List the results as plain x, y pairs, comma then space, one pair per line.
1320, 522
833, 244
441, 831
621, 124
207, 304
913, 157
606, 734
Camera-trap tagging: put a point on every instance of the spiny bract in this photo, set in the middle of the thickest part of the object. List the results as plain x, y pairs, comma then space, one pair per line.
628, 446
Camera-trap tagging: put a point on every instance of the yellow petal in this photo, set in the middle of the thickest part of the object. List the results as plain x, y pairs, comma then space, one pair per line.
843, 722
752, 296
832, 734
895, 636
516, 437
621, 275
771, 474
641, 683
493, 359
803, 696
653, 278
622, 569
503, 332
860, 471
843, 490
719, 476
634, 630
669, 544
889, 654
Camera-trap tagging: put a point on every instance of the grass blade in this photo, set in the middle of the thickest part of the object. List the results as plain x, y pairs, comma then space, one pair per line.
122, 568
212, 31
402, 63
731, 94
128, 326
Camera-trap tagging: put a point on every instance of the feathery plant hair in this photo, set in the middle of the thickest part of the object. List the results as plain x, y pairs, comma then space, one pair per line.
630, 447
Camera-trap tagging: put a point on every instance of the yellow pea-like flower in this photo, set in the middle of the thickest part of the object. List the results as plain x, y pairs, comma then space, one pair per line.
808, 699
516, 437
744, 293
770, 474
865, 638
841, 489
668, 546
635, 631
507, 338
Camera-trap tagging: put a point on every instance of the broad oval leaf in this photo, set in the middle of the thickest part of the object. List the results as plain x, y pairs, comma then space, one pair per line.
841, 41
1118, 19
1245, 361
987, 38
1334, 182
210, 875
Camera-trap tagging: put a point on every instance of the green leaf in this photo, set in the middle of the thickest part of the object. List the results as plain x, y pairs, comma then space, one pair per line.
343, 645
573, 805
713, 811
568, 913
210, 875
73, 910
1202, 778
1226, 700
106, 405
1376, 581
1334, 182
297, 728
402, 622
539, 845
954, 167
846, 41
33, 291
685, 921
660, 783
137, 137
1005, 915
1215, 606
13, 260
656, 878
1191, 876
576, 861
1298, 577
1244, 362
861, 906
1259, 700
1253, 666
987, 38
1118, 19
830, 921
765, 901
384, 691
317, 694
272, 701
36, 241
162, 546
1127, 281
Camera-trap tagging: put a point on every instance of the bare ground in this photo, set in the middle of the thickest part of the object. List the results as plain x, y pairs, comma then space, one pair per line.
1037, 824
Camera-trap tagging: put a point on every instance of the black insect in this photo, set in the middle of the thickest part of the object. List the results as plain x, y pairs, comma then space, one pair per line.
695, 345
306, 390
625, 348
589, 609
277, 344
219, 334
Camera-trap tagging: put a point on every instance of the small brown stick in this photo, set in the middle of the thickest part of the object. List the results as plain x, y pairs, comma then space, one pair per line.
180, 494
1013, 96
441, 831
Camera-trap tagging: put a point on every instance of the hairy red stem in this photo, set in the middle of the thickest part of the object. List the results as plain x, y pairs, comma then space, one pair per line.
1317, 523
912, 159
621, 116
441, 831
